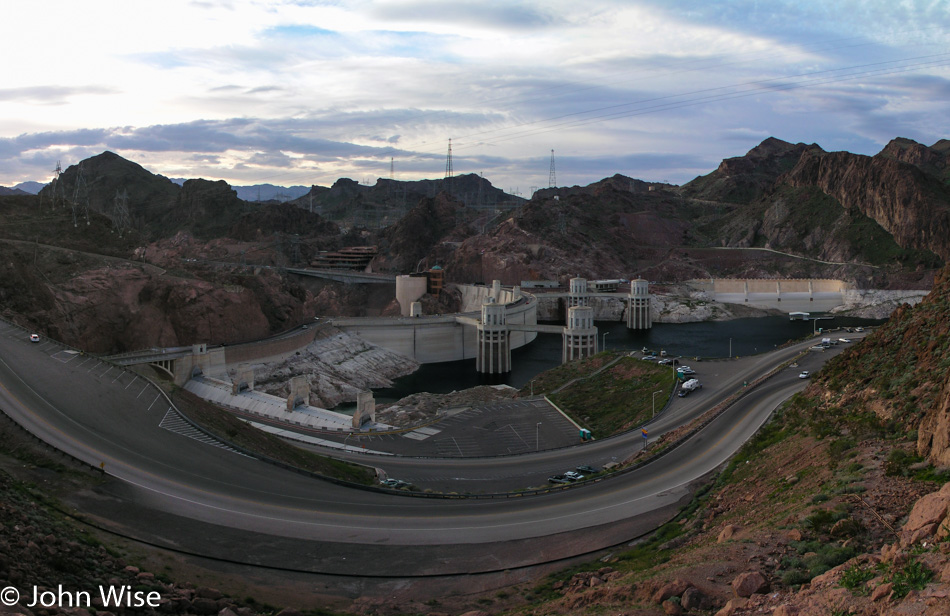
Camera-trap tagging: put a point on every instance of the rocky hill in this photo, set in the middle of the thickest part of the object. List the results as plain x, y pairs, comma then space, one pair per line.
878, 221
382, 204
900, 376
4, 191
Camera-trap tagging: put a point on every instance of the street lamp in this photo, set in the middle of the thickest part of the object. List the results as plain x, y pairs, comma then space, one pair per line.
730, 347
537, 436
659, 391
603, 345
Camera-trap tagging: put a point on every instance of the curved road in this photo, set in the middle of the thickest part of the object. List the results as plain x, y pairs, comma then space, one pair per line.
183, 493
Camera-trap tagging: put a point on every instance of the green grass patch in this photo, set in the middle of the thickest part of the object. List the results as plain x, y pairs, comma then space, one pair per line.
618, 398
855, 579
912, 576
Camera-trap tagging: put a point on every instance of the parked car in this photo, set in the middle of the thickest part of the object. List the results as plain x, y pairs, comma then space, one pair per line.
34, 337
558, 479
587, 470
804, 374
395, 483
666, 361
573, 476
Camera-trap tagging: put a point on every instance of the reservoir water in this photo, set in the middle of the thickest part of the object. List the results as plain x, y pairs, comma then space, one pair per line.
706, 339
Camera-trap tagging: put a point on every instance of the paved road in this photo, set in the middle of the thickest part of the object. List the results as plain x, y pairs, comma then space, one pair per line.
720, 378
179, 491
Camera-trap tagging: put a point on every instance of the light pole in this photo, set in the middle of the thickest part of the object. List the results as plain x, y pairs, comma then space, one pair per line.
537, 436
344, 440
603, 345
730, 348
659, 391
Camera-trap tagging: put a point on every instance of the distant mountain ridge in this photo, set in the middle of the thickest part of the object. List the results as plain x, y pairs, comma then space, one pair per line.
262, 192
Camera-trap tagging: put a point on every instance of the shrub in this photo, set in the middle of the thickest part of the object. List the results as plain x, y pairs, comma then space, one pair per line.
855, 579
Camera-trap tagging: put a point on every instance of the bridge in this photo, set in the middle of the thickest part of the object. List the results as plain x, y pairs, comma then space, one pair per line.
345, 276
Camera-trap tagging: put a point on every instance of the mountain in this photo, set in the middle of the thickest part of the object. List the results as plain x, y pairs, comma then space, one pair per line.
380, 205
262, 192
30, 187
12, 191
834, 206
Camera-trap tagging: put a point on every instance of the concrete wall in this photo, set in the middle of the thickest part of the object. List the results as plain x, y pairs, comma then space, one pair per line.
474, 296
408, 290
274, 347
552, 307
768, 285
435, 339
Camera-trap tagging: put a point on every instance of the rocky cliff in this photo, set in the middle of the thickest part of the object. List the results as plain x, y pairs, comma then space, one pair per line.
911, 205
899, 374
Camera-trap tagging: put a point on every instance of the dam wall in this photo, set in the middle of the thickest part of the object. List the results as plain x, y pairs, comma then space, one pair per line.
769, 285
443, 338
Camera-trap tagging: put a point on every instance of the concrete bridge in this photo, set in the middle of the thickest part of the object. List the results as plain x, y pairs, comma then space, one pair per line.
345, 276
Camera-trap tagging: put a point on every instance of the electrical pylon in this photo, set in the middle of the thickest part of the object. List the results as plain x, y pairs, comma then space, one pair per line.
552, 179
448, 169
120, 212
80, 197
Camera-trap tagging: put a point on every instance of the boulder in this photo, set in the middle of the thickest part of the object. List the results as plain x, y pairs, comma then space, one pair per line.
930, 509
731, 606
694, 599
671, 608
671, 589
748, 583
728, 532
785, 610
882, 592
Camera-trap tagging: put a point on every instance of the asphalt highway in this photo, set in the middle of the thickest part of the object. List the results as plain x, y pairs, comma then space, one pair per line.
185, 493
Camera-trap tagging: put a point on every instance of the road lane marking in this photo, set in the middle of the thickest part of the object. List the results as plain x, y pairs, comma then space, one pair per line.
134, 378
153, 402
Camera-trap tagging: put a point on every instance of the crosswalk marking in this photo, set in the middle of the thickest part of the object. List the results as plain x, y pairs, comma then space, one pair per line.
174, 423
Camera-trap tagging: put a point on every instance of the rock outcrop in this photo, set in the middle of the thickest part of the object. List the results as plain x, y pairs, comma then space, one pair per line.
338, 364
911, 205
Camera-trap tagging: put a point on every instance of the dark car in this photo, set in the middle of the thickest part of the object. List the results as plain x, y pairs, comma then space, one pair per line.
587, 470
558, 479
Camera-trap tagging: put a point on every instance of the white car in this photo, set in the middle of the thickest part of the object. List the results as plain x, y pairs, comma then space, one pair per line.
34, 337
844, 340
804, 374
573, 476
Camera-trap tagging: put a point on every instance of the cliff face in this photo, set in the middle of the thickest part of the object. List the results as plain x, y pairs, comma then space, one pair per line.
910, 204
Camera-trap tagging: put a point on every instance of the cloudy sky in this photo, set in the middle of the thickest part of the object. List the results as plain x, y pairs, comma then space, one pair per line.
307, 91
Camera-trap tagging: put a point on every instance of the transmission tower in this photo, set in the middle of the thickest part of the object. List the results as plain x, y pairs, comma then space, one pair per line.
552, 179
120, 211
448, 169
80, 197
57, 194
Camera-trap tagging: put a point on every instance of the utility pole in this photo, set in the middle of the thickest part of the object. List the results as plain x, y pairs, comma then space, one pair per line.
552, 179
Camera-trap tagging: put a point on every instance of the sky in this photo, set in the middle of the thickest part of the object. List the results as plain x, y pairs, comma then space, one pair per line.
307, 91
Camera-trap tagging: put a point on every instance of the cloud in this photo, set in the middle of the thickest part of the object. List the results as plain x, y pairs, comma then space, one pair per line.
511, 16
51, 95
